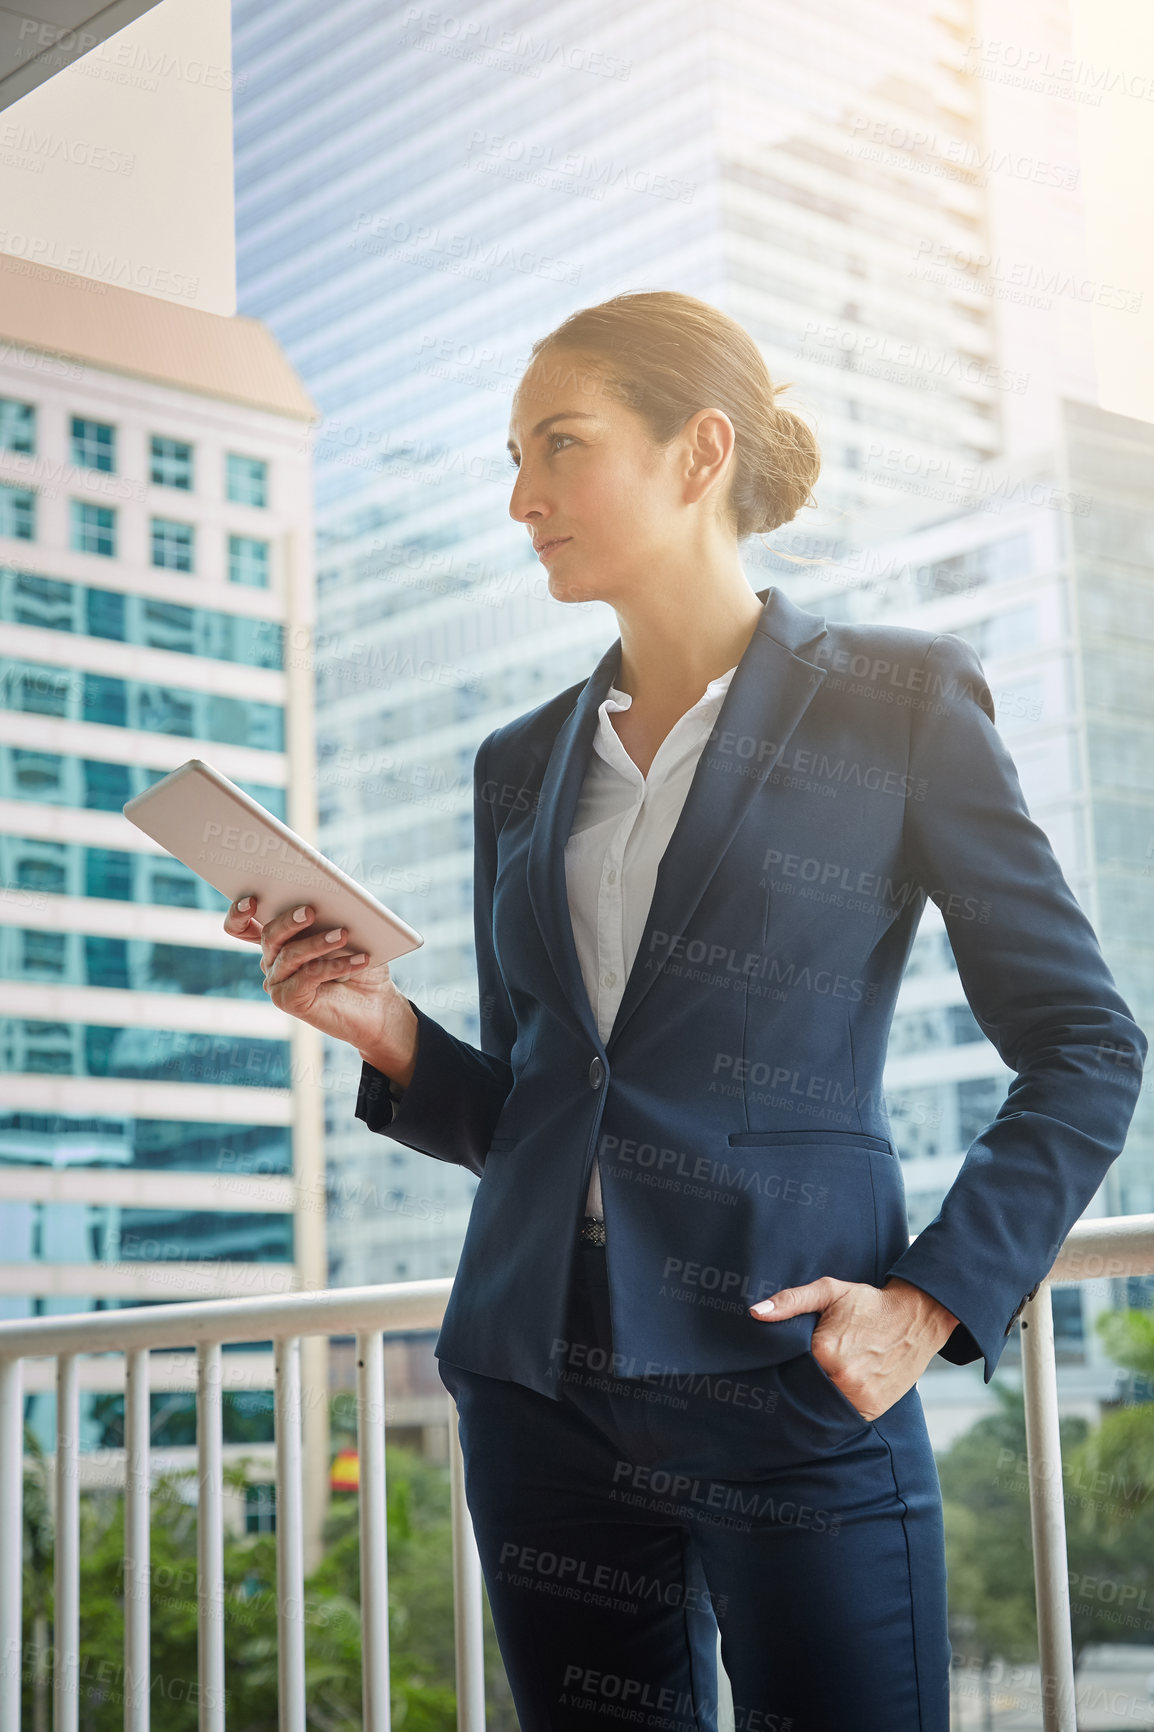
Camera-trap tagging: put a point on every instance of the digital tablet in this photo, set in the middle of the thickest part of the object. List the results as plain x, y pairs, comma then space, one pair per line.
228, 838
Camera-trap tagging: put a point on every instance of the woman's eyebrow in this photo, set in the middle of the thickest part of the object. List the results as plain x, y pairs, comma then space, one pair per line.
561, 415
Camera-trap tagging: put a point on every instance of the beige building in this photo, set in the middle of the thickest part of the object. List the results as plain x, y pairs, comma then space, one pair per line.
161, 1122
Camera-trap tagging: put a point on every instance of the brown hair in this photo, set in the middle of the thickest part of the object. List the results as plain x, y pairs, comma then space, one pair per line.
666, 355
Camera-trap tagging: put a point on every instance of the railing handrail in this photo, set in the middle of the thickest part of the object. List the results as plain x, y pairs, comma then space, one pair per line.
392, 1308
1104, 1246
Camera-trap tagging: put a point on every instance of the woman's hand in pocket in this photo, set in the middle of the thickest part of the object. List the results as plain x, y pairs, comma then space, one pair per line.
872, 1342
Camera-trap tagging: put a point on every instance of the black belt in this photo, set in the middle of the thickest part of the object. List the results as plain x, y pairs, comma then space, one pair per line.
593, 1230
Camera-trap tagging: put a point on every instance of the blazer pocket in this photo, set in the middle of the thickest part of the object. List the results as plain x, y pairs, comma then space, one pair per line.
789, 1207
769, 1139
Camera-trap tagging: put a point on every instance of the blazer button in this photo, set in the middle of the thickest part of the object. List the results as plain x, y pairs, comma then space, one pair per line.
596, 1073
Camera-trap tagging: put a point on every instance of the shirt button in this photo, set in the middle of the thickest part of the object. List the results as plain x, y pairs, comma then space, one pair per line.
613, 876
609, 980
596, 1073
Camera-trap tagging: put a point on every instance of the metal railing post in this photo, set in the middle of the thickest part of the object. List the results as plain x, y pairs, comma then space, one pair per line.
376, 1709
137, 1540
210, 1537
1048, 1514
290, 1573
66, 1560
11, 1537
468, 1619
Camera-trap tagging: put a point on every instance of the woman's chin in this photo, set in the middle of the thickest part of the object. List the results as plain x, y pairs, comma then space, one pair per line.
566, 589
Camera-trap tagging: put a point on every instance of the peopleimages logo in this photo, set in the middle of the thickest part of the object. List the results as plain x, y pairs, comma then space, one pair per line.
474, 36
1027, 274
578, 165
125, 56
104, 267
42, 147
1033, 68
421, 242
746, 1500
233, 841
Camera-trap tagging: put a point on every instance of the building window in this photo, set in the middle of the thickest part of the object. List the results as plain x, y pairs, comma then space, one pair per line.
171, 463
93, 528
34, 775
173, 890
93, 445
38, 691
172, 544
27, 598
260, 1509
1069, 1324
108, 874
246, 480
963, 573
17, 512
42, 690
101, 787
17, 426
35, 873
43, 953
248, 561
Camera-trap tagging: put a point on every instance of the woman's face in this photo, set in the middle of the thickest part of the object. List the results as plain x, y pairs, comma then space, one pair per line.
590, 478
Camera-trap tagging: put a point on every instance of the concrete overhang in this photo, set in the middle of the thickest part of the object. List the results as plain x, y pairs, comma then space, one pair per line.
41, 37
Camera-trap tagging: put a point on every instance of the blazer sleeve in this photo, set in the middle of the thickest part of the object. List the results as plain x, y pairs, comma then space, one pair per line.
454, 1097
1041, 991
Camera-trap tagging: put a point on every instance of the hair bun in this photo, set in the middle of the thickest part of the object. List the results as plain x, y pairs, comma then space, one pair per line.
792, 464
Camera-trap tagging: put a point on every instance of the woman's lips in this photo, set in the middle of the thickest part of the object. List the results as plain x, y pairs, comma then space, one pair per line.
548, 547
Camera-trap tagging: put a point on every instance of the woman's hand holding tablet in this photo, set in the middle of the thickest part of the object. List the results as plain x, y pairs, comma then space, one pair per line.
326, 942
313, 974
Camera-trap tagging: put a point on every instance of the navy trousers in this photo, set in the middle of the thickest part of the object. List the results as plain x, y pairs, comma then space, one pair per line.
622, 1526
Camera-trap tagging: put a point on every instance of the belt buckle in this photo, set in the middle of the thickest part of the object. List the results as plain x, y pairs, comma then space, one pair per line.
593, 1230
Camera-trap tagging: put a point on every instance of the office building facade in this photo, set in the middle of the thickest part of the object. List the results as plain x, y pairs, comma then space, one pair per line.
159, 1118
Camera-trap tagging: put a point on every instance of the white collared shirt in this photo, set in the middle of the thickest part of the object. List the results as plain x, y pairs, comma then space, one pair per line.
621, 829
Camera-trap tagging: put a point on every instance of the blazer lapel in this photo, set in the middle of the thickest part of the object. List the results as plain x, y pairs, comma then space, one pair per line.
766, 699
556, 808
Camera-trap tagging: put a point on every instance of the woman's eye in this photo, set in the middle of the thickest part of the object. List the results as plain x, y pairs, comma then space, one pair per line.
515, 462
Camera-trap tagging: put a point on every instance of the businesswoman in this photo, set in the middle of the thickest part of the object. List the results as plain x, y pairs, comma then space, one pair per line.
688, 1321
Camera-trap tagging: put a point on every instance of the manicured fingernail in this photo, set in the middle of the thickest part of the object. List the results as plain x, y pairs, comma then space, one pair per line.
763, 1306
300, 914
361, 958
331, 937
244, 904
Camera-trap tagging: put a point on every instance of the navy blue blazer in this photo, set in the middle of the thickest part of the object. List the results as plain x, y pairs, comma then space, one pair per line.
736, 1107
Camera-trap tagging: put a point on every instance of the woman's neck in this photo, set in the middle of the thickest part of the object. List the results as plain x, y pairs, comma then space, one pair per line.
669, 655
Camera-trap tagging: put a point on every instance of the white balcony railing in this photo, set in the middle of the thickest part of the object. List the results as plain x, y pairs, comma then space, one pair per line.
1117, 1246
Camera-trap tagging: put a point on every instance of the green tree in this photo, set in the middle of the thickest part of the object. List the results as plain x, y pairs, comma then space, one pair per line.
1108, 1495
37, 1576
986, 1501
1110, 1500
420, 1610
